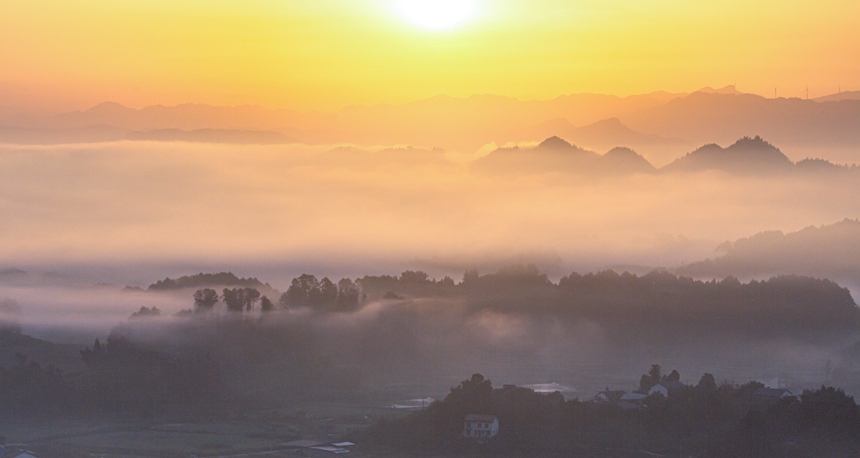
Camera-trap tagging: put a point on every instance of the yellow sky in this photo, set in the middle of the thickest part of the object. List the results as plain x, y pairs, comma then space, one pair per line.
325, 54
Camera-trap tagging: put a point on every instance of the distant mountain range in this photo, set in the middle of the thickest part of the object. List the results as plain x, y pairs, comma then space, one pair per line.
753, 156
557, 155
747, 155
593, 121
604, 134
847, 95
830, 251
704, 117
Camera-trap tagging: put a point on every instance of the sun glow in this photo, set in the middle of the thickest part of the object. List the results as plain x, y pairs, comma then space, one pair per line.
437, 14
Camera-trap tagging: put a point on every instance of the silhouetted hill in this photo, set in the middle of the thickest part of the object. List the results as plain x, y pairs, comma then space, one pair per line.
830, 251
242, 137
818, 165
50, 136
727, 90
465, 124
703, 117
12, 273
747, 155
201, 280
607, 133
111, 121
846, 95
551, 155
188, 116
625, 160
557, 155
62, 356
470, 122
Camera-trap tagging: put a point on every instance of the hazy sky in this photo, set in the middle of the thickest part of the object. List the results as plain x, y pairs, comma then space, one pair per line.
325, 54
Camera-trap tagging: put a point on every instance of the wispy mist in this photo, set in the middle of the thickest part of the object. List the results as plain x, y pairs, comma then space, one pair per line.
136, 203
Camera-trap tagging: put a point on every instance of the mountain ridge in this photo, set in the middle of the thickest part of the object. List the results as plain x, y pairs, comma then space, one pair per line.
659, 121
746, 156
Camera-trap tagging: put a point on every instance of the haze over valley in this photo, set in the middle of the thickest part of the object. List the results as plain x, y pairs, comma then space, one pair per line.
415, 228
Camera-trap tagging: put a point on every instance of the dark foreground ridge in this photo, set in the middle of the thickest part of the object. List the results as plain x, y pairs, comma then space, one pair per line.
705, 419
378, 339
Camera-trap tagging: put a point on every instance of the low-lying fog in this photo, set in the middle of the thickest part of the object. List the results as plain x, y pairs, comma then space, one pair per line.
131, 213
73, 209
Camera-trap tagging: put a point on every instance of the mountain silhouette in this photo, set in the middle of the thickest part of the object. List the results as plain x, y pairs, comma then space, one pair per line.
831, 251
703, 117
727, 90
186, 117
747, 155
815, 165
662, 122
846, 95
471, 122
557, 155
624, 160
552, 155
606, 133
50, 136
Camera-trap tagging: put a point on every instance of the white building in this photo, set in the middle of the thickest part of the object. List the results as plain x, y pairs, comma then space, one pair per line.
481, 427
666, 389
6, 452
773, 394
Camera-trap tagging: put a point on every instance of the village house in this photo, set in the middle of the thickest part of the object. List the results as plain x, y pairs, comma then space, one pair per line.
9, 452
480, 427
620, 398
6, 452
666, 388
772, 394
608, 395
306, 447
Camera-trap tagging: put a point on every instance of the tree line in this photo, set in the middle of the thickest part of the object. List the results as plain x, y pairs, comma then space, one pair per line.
706, 419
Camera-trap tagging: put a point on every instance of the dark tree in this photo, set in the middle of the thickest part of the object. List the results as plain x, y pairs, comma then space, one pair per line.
205, 299
250, 296
650, 379
348, 295
325, 294
299, 292
410, 276
707, 382
673, 376
266, 305
233, 299
146, 312
830, 413
470, 277
239, 299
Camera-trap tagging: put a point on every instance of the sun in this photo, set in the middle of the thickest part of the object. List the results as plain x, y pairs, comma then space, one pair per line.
437, 14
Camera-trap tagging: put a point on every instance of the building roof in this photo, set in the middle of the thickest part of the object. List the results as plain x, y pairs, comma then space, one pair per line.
671, 385
611, 396
301, 443
331, 449
481, 418
772, 392
6, 452
633, 397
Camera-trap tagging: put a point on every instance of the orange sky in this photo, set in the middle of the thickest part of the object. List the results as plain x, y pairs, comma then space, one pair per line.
325, 54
